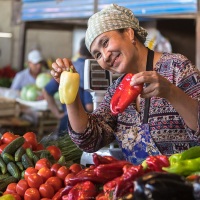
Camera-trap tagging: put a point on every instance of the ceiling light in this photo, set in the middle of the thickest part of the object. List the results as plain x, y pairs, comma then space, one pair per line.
5, 35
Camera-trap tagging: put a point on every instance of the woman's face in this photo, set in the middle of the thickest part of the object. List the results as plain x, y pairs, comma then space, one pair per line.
114, 51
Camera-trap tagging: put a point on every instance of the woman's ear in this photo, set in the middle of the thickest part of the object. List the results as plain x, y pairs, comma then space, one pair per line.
131, 34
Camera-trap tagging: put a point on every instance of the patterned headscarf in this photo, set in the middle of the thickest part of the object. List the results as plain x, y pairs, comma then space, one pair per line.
113, 17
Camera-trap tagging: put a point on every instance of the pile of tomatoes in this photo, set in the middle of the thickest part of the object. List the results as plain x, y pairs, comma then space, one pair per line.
30, 142
42, 182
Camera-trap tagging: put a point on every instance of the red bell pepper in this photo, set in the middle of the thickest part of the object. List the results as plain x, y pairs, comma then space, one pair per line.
123, 184
98, 159
156, 163
58, 195
102, 196
110, 171
124, 95
87, 174
83, 190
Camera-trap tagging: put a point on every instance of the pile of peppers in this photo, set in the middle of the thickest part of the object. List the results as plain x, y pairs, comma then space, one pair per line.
112, 179
170, 178
185, 163
108, 179
124, 95
69, 86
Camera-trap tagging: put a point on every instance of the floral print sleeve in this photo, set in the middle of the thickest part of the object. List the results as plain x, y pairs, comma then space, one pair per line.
188, 79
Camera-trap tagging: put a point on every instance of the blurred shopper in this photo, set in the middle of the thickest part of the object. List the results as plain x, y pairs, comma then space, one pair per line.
35, 63
28, 75
52, 87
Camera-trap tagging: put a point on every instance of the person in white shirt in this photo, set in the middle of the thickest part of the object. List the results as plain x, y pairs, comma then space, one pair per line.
28, 75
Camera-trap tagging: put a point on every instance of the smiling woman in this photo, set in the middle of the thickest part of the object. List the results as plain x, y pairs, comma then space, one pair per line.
157, 121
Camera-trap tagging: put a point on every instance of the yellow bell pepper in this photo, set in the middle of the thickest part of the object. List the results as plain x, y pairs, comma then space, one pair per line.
69, 86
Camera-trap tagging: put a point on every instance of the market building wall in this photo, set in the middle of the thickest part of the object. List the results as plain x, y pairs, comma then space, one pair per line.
52, 43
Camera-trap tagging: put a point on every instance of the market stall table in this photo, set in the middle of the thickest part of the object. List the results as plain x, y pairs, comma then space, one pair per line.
44, 119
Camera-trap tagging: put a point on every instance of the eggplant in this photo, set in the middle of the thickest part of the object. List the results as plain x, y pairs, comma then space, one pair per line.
162, 186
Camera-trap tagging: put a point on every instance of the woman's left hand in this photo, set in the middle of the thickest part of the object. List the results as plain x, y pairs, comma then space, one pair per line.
156, 84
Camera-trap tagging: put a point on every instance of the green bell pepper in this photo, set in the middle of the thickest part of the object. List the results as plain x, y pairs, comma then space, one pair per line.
184, 167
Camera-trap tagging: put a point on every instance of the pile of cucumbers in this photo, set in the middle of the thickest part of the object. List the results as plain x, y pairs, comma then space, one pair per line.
15, 159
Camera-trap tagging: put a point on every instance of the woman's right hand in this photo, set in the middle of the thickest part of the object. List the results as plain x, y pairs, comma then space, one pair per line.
59, 66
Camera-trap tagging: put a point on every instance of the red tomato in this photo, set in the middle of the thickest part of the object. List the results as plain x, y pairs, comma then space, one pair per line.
55, 182
11, 188
46, 190
43, 162
55, 167
16, 196
85, 189
8, 137
55, 151
62, 172
21, 187
32, 194
2, 147
75, 168
66, 180
45, 173
27, 145
6, 193
31, 138
35, 180
29, 171
39, 147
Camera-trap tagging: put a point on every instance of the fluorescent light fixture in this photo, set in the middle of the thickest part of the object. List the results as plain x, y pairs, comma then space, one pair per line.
5, 35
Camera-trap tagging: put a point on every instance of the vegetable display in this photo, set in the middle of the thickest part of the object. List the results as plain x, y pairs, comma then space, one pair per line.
69, 85
34, 173
157, 186
124, 95
42, 80
185, 163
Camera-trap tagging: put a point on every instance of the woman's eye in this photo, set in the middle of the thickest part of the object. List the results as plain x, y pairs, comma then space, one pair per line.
97, 56
105, 43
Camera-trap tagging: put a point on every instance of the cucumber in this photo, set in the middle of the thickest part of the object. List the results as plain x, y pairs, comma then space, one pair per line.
6, 182
40, 152
8, 158
26, 161
45, 154
18, 154
13, 169
12, 147
3, 176
35, 159
20, 166
3, 166
22, 174
29, 153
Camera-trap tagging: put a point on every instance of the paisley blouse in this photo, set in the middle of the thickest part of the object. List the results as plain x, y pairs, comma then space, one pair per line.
167, 130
